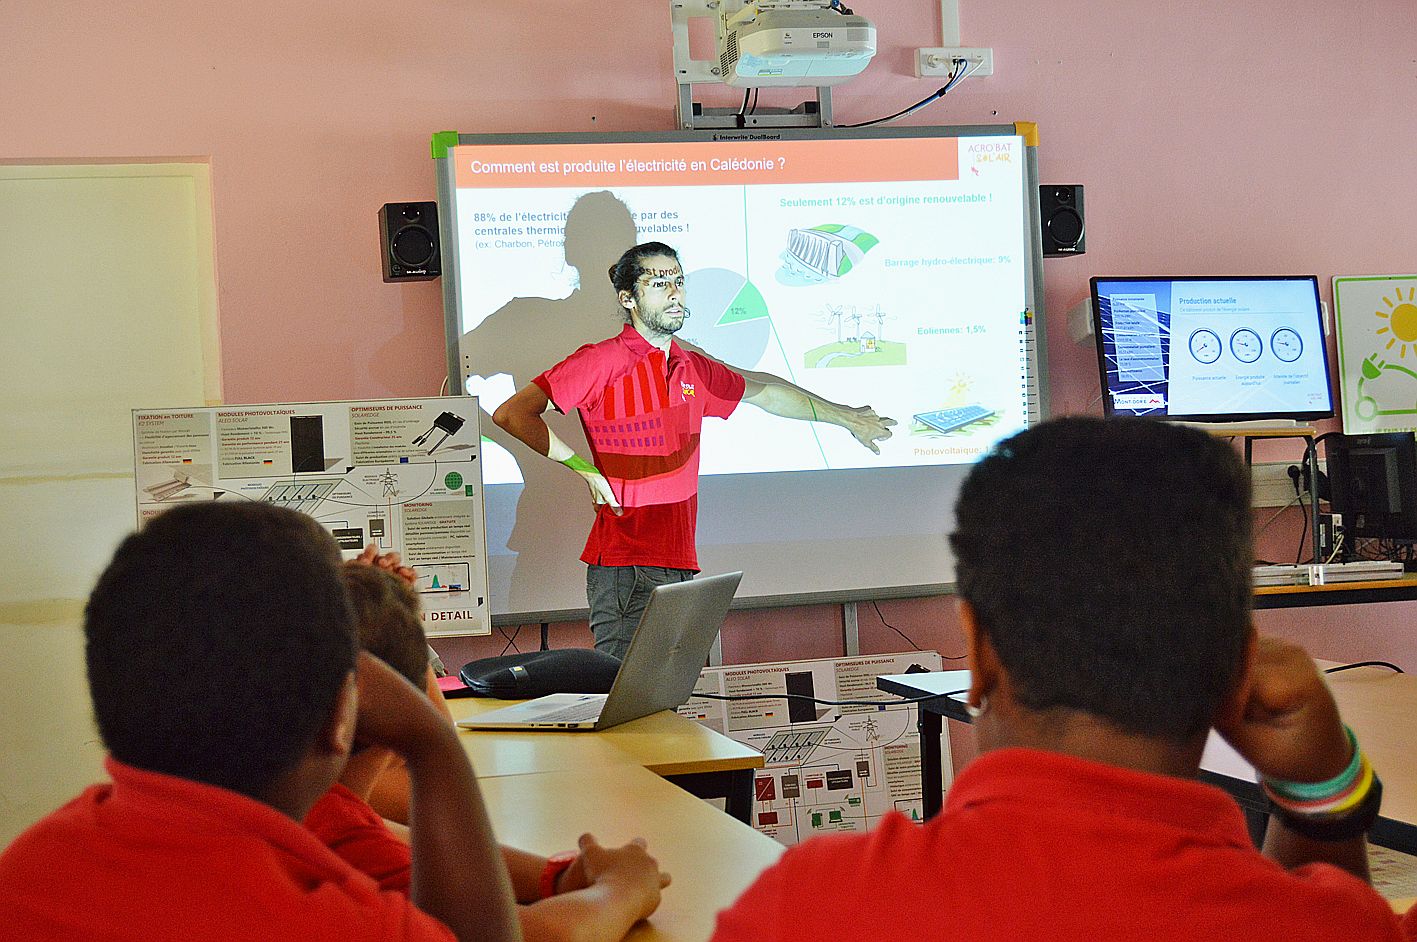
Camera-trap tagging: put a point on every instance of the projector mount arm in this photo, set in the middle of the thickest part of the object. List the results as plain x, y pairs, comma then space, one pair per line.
726, 15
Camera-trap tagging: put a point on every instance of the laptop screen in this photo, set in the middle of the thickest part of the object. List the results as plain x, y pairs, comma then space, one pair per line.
1212, 349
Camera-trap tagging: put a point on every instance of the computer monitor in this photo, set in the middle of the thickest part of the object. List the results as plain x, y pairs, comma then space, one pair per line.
1373, 484
1212, 349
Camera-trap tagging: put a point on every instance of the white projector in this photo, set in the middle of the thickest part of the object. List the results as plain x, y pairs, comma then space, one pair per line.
792, 47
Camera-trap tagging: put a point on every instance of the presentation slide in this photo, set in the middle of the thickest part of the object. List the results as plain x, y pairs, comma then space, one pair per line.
818, 262
1233, 348
884, 271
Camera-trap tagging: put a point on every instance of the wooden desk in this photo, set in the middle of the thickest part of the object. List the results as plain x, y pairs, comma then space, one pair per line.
1337, 593
1380, 705
930, 721
711, 857
691, 755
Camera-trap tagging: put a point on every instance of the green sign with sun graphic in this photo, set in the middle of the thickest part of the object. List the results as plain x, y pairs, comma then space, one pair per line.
1377, 352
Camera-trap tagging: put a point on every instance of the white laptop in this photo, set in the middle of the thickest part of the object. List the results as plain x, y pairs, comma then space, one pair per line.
659, 671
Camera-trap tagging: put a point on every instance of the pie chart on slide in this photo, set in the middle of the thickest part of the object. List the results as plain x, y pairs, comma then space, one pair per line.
728, 317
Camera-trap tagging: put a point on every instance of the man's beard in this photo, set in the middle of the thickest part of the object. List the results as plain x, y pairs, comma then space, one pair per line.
667, 322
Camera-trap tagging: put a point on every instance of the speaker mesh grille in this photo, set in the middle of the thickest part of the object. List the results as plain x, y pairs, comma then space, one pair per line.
412, 247
1065, 226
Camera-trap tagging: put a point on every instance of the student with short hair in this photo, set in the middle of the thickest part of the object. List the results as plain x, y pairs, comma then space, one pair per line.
1104, 575
595, 894
227, 686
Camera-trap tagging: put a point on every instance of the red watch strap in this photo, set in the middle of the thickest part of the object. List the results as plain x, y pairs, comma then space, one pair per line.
556, 865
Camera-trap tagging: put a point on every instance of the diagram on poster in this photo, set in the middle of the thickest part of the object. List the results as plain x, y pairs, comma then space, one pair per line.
827, 768
1377, 352
403, 474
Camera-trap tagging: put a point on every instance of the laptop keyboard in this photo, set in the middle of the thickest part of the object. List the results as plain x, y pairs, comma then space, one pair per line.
572, 713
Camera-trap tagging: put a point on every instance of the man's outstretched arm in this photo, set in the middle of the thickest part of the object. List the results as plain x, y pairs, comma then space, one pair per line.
520, 416
793, 402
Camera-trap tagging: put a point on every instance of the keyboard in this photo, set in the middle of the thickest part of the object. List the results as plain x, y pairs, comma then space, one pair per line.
1362, 570
575, 713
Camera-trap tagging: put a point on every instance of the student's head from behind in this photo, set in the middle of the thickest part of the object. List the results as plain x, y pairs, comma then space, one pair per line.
1106, 565
386, 612
219, 641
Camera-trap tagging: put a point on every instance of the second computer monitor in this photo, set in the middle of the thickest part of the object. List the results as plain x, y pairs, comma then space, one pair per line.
1373, 484
1212, 349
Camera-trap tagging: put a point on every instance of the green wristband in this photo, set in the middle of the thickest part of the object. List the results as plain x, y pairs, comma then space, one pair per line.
580, 465
1311, 791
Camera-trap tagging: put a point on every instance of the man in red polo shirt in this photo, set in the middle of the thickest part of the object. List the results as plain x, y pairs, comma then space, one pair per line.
1104, 584
642, 401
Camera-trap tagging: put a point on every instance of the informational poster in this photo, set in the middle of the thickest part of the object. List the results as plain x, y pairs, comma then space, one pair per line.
402, 474
828, 768
1377, 352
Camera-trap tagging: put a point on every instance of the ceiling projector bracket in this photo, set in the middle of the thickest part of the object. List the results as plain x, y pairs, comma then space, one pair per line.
777, 43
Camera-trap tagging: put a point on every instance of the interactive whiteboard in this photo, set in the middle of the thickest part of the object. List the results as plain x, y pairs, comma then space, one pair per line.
896, 269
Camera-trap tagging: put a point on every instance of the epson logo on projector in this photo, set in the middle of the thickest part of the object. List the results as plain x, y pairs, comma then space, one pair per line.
825, 35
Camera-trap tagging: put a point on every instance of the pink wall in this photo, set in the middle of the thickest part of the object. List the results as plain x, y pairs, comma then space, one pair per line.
1249, 137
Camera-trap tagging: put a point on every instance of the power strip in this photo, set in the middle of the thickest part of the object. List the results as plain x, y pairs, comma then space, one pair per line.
939, 62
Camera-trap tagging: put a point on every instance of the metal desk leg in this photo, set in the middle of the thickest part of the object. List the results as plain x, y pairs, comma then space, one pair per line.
1250, 799
739, 802
930, 725
1257, 823
735, 787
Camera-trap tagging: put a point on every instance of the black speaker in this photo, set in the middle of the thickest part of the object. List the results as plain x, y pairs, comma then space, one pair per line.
408, 233
1061, 212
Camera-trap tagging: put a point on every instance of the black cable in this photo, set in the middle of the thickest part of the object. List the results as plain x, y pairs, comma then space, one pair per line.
753, 108
961, 70
907, 638
1349, 667
803, 696
1313, 474
511, 644
743, 109
1309, 446
902, 113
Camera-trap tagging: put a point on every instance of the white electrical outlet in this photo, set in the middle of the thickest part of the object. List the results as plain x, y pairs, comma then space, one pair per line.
939, 62
1271, 486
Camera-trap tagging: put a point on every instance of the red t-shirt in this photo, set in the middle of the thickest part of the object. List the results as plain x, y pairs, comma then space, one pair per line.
346, 824
1038, 845
153, 858
642, 412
